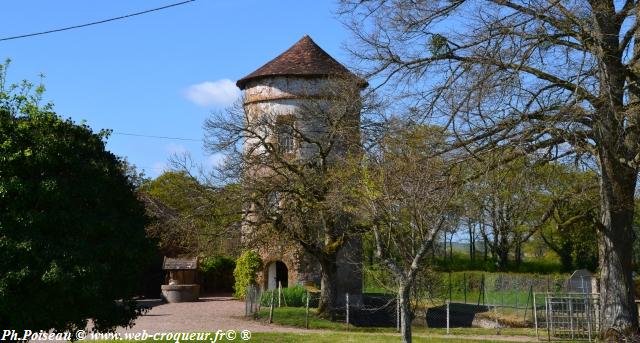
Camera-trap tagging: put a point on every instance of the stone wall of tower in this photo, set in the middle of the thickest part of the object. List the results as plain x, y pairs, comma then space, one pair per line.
294, 97
291, 96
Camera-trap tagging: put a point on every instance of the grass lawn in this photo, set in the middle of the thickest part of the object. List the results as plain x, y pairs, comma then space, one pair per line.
294, 316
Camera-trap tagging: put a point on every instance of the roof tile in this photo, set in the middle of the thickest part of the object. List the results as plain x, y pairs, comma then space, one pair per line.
305, 58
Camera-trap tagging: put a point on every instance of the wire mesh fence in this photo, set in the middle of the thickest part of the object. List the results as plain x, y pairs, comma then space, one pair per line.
252, 301
484, 299
547, 303
558, 306
567, 316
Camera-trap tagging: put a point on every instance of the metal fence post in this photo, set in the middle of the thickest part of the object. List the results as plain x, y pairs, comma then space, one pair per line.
279, 293
306, 317
448, 303
271, 309
347, 311
481, 293
547, 313
535, 315
571, 317
529, 296
398, 313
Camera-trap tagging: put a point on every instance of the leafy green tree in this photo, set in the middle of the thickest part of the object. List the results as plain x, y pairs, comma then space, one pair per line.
72, 238
570, 231
510, 203
192, 216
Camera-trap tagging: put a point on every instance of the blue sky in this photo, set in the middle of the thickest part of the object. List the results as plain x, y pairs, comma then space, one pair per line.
159, 74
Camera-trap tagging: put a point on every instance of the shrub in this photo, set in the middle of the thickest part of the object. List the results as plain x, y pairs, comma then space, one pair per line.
216, 263
291, 297
72, 239
247, 266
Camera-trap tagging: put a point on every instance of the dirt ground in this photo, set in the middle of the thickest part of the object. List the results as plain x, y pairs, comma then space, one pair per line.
207, 315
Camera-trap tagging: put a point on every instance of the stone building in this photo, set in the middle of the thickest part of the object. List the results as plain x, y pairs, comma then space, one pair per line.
285, 86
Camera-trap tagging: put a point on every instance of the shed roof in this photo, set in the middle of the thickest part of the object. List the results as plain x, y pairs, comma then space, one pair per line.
180, 263
305, 58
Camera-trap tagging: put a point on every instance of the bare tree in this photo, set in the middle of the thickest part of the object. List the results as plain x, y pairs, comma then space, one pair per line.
409, 199
551, 76
290, 171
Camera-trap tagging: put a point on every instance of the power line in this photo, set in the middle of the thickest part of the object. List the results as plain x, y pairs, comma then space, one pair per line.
96, 22
158, 137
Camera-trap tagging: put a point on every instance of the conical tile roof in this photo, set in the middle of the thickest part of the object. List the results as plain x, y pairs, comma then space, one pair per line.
305, 58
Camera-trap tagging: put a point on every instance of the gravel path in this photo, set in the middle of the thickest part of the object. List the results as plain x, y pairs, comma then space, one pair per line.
207, 315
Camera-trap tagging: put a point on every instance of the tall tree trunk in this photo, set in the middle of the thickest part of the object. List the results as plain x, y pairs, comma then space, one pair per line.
472, 241
486, 248
566, 256
503, 259
518, 253
618, 310
405, 311
444, 246
501, 248
329, 287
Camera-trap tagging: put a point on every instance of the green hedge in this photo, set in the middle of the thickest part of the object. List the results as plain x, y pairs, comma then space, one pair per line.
291, 297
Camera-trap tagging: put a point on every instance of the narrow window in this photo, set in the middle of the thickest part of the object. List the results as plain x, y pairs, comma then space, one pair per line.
284, 130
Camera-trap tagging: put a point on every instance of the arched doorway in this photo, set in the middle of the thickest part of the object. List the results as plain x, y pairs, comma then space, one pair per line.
277, 273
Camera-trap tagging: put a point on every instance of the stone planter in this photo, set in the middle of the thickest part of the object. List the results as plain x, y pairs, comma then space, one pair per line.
180, 293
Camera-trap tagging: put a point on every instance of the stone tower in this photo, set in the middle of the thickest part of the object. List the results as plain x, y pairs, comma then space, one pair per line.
283, 87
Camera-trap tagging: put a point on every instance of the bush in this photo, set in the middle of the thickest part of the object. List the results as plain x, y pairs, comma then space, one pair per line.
247, 266
216, 263
292, 297
72, 238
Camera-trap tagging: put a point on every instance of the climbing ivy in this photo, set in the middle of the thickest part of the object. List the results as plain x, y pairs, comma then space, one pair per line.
247, 266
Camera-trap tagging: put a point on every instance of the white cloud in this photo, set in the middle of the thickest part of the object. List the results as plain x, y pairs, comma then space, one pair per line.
215, 160
222, 92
